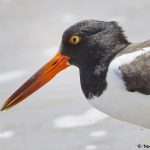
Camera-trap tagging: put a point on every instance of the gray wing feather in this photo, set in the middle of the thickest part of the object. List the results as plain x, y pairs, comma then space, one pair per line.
137, 74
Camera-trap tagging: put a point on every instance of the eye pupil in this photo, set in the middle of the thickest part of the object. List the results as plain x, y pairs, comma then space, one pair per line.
74, 40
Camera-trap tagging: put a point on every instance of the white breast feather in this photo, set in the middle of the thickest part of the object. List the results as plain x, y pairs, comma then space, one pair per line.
117, 102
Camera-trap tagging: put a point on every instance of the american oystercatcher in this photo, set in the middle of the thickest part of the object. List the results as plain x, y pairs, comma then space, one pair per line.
114, 73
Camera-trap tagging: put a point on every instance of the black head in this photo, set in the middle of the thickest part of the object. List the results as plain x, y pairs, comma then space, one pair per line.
91, 45
91, 40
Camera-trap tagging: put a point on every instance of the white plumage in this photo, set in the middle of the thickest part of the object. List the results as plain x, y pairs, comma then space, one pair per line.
119, 103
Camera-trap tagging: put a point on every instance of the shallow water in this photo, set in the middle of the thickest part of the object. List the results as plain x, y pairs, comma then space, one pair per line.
56, 117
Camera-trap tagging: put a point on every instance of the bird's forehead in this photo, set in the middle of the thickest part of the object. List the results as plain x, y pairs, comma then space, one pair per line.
86, 26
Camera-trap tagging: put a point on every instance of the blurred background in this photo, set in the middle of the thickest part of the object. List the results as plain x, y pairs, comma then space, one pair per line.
58, 117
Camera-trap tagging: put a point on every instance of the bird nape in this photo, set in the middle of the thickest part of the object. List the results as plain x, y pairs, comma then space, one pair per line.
103, 55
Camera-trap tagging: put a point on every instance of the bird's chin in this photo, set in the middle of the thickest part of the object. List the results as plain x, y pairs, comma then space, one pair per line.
71, 62
74, 62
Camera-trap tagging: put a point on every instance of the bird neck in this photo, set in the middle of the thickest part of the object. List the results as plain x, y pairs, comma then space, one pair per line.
93, 80
93, 74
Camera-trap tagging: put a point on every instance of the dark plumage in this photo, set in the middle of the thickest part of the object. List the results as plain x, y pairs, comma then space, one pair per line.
137, 74
101, 42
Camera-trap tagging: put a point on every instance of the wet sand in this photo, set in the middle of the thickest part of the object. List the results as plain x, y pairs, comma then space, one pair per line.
58, 117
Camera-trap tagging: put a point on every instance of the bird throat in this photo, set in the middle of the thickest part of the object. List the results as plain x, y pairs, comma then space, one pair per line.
93, 80
93, 75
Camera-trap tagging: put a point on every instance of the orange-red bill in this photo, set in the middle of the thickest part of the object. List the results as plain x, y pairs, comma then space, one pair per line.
40, 78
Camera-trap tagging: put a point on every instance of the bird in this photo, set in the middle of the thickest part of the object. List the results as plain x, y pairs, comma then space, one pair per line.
114, 73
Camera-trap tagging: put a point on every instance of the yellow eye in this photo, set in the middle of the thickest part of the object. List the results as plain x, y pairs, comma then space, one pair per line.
74, 39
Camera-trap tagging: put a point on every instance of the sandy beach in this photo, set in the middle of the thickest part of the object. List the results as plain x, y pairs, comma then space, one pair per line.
58, 117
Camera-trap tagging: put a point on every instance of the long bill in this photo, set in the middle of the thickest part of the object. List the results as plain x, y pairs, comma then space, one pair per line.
40, 78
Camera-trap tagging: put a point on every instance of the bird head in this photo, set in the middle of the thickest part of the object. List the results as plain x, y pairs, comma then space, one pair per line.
91, 40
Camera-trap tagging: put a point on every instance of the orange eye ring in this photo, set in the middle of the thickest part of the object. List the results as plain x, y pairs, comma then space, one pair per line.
74, 39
